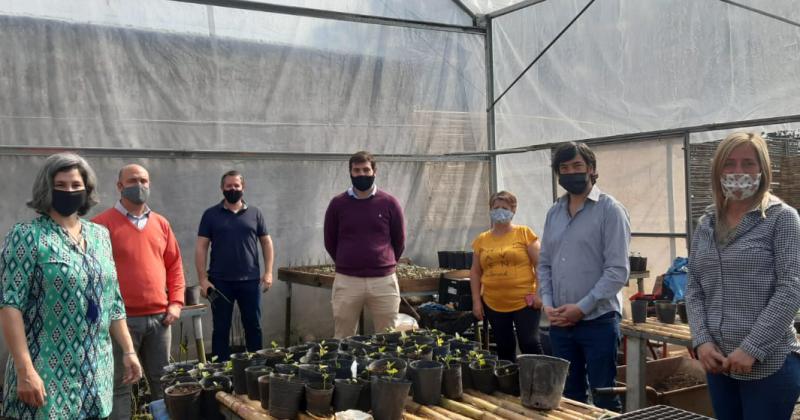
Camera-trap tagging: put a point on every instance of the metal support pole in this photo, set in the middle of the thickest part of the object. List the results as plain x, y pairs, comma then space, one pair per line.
687, 186
288, 327
490, 116
635, 397
670, 200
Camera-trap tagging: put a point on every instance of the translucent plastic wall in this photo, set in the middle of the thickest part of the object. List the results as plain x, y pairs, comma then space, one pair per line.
630, 66
191, 91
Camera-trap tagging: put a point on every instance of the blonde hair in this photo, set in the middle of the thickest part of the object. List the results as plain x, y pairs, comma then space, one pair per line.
506, 196
722, 153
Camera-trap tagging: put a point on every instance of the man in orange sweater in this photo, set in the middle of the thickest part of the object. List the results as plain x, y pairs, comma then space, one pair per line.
150, 272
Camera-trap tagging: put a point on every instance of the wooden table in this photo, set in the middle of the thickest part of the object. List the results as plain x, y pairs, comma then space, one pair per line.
637, 336
408, 287
195, 312
503, 406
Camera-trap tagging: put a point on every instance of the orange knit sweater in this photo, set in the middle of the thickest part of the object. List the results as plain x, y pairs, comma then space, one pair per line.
149, 265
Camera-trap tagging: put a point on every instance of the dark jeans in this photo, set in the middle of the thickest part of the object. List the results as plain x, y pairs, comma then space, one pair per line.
591, 348
773, 397
526, 323
247, 295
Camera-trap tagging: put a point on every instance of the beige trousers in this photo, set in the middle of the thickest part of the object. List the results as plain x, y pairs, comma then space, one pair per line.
381, 296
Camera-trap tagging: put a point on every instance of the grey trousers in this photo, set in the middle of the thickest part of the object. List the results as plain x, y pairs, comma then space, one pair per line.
152, 340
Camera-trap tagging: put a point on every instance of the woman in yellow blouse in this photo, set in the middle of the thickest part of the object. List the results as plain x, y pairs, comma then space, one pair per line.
503, 273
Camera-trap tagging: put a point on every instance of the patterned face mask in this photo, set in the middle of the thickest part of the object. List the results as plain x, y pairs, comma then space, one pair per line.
740, 186
501, 215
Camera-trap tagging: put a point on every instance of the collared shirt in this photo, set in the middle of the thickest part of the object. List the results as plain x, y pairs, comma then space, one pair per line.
352, 193
139, 221
584, 258
234, 240
745, 295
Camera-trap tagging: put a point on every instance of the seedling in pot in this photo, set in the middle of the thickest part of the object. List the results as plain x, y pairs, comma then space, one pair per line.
439, 341
461, 339
273, 344
449, 359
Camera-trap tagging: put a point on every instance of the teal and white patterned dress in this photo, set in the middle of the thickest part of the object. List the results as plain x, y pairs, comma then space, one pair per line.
54, 283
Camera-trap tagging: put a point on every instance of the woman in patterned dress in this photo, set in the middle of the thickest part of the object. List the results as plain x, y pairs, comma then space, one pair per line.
59, 300
744, 287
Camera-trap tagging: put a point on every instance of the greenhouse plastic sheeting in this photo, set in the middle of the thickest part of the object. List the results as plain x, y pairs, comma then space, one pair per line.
406, 91
628, 66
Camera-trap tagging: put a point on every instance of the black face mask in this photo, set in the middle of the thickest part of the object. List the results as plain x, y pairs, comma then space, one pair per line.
66, 203
574, 183
233, 196
362, 182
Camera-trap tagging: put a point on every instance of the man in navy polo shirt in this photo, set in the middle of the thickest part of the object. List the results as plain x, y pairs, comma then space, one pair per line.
365, 236
233, 230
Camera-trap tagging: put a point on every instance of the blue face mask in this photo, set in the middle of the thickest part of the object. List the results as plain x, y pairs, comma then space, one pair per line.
501, 215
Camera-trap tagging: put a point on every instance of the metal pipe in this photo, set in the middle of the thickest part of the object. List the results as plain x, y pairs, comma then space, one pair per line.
687, 185
542, 53
658, 235
647, 135
513, 8
490, 116
763, 13
467, 10
334, 15
221, 154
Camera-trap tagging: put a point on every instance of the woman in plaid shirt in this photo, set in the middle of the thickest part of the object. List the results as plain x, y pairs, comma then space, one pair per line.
744, 287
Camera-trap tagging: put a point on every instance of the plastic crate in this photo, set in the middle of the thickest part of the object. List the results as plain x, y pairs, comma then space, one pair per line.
661, 412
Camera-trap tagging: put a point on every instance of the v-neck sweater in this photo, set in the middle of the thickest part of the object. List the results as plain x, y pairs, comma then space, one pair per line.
149, 264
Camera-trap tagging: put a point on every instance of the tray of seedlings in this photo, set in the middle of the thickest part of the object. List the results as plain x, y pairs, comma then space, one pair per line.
394, 375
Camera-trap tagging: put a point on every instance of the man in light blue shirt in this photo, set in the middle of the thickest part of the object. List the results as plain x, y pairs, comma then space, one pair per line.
583, 264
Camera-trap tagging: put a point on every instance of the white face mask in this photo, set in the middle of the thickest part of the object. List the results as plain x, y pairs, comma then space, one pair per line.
740, 186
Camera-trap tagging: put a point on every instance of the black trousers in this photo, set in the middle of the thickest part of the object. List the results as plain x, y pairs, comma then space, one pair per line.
504, 324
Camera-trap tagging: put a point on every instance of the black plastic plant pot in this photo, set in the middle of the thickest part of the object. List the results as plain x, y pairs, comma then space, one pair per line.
177, 368
508, 379
665, 311
208, 396
444, 262
263, 391
272, 356
451, 381
639, 311
681, 306
286, 369
379, 367
541, 380
319, 399
466, 374
365, 399
427, 382
182, 401
191, 295
457, 259
240, 362
253, 373
483, 376
346, 393
388, 338
388, 397
313, 373
486, 354
343, 368
285, 394
357, 342
412, 353
464, 347
441, 351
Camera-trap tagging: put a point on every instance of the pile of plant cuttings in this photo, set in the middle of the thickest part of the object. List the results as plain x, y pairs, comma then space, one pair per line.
404, 271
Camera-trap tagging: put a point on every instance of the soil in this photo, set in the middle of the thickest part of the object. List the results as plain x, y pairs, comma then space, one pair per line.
404, 271
181, 390
677, 381
796, 412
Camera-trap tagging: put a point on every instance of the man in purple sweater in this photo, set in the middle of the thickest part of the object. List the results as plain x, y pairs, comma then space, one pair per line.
365, 236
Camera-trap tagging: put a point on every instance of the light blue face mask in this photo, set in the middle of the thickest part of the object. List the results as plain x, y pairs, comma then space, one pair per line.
501, 215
